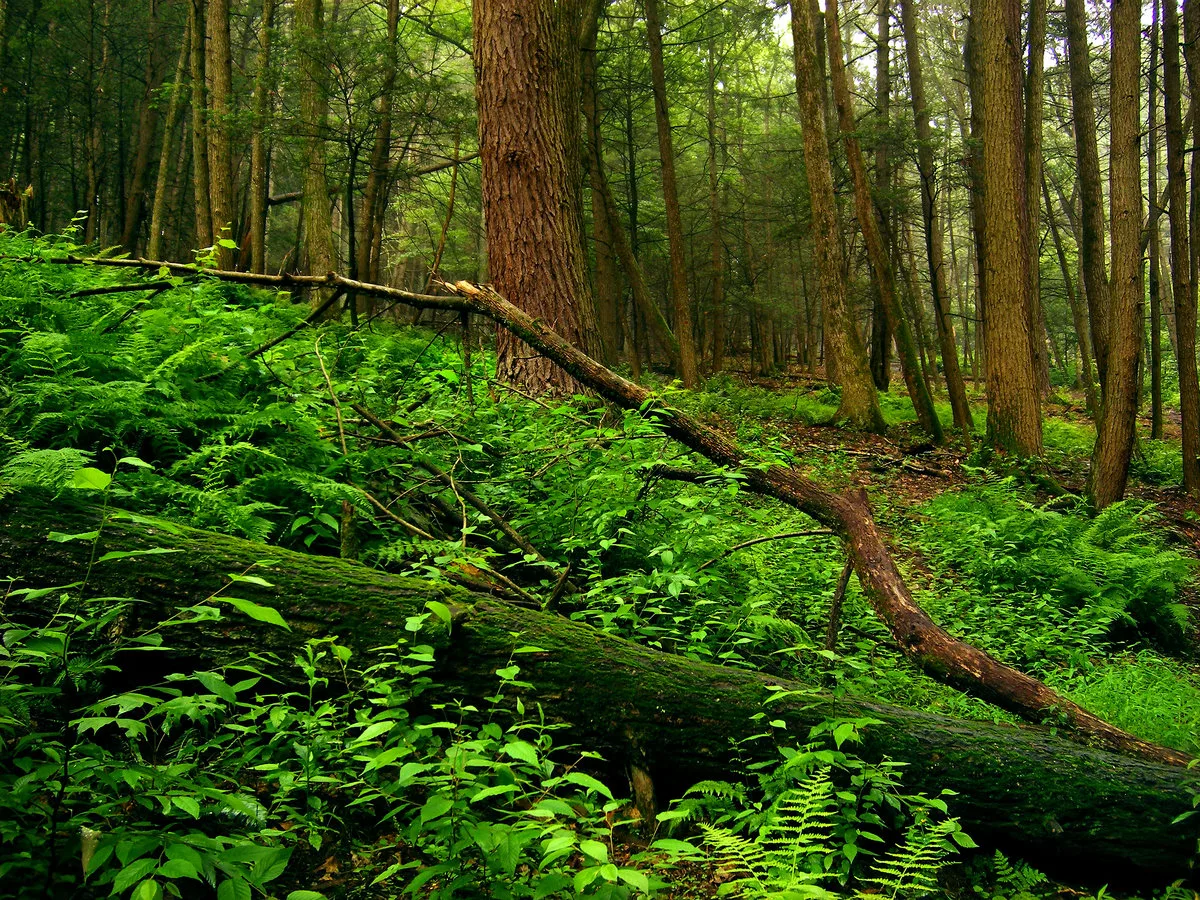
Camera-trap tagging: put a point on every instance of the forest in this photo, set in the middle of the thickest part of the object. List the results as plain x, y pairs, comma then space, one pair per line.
615, 448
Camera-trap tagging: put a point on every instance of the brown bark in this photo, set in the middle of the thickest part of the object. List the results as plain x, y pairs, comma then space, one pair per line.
316, 256
1088, 160
881, 329
859, 402
1025, 786
260, 147
377, 173
680, 298
135, 201
200, 174
174, 112
1034, 96
98, 71
716, 244
934, 246
1115, 432
219, 71
1156, 408
1183, 282
1014, 408
868, 221
527, 72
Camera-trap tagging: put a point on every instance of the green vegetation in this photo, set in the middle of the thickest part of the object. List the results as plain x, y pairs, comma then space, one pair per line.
326, 776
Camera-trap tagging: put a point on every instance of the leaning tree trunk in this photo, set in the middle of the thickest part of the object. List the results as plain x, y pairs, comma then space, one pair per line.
675, 719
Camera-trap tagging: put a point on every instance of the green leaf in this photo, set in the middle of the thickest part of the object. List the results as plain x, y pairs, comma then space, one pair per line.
523, 751
233, 889
147, 890
178, 868
637, 879
255, 611
133, 873
250, 579
595, 849
90, 479
217, 685
134, 461
436, 806
305, 895
588, 782
441, 610
670, 845
59, 538
125, 554
551, 884
494, 791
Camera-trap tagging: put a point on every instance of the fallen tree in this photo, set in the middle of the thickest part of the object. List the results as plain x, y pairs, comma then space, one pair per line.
1088, 809
931, 647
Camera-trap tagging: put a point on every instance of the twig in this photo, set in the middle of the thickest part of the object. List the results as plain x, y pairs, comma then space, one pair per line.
407, 526
155, 286
763, 540
337, 407
134, 308
313, 316
835, 608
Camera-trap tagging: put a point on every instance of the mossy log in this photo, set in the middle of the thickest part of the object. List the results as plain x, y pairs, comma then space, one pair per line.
1072, 806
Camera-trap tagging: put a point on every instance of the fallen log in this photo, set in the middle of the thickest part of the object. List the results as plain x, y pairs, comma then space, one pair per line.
936, 651
1079, 808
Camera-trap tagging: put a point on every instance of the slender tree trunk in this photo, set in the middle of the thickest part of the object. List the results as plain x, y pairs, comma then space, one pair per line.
1183, 278
859, 402
135, 204
1088, 161
260, 143
1014, 409
681, 301
868, 221
219, 71
527, 70
716, 244
1115, 433
934, 247
881, 328
96, 114
317, 242
154, 246
372, 206
200, 173
1156, 409
1034, 101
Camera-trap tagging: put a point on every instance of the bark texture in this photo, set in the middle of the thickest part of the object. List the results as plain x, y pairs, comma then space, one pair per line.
527, 75
317, 241
219, 70
1027, 788
1183, 271
260, 147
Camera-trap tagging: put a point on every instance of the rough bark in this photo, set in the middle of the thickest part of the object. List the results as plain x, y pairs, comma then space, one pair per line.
135, 201
260, 147
1034, 96
219, 71
934, 244
716, 244
1027, 788
1014, 407
316, 256
859, 402
1183, 274
872, 232
680, 297
527, 73
200, 174
174, 112
1156, 407
881, 331
377, 174
1083, 110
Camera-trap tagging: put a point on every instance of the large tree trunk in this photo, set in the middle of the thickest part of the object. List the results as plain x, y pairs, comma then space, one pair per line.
1183, 275
872, 232
859, 403
527, 74
1014, 409
680, 297
934, 247
317, 233
219, 71
676, 719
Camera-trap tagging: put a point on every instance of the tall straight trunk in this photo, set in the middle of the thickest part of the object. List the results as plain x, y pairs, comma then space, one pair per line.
716, 245
1034, 95
1083, 112
372, 206
681, 301
859, 402
934, 246
200, 174
1156, 410
1115, 433
135, 202
881, 330
260, 146
606, 287
1183, 281
317, 245
154, 246
527, 72
1014, 408
96, 107
869, 224
971, 128
219, 71
1078, 313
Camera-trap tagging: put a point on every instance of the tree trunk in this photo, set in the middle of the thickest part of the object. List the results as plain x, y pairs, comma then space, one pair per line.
154, 246
1156, 408
1034, 97
260, 148
317, 243
716, 244
859, 402
681, 301
1027, 788
1183, 271
135, 205
881, 331
200, 173
373, 205
868, 221
934, 247
527, 72
1115, 433
1014, 408
219, 71
1083, 110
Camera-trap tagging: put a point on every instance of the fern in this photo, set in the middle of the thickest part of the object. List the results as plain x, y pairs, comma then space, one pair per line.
911, 869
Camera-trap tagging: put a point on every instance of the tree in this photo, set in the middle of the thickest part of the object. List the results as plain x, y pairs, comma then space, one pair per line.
317, 242
859, 403
527, 70
219, 71
260, 148
1014, 410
